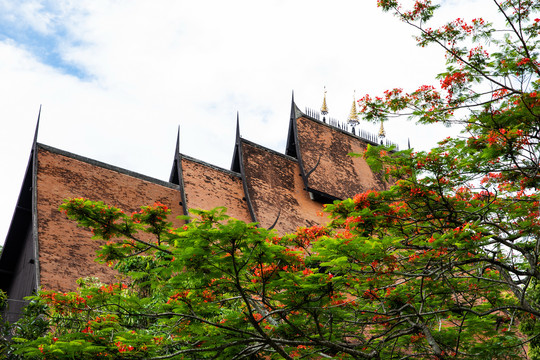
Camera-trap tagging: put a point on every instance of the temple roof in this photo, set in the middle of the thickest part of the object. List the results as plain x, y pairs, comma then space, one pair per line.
282, 191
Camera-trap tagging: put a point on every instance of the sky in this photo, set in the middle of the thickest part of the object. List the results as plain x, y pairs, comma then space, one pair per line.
115, 79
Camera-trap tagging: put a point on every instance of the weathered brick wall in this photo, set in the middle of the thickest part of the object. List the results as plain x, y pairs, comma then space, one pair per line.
207, 187
67, 252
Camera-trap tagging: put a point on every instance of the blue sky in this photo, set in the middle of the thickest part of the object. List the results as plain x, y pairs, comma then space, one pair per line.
117, 77
38, 27
44, 47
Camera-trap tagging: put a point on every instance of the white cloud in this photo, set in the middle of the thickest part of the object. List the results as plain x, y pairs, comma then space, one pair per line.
151, 66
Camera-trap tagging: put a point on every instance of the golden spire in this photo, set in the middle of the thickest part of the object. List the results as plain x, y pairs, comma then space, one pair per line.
324, 108
382, 133
353, 116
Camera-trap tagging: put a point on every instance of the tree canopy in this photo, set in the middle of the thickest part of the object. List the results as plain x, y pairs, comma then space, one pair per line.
443, 265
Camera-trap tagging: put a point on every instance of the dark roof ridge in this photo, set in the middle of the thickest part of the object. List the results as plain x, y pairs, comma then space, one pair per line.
269, 150
215, 167
109, 166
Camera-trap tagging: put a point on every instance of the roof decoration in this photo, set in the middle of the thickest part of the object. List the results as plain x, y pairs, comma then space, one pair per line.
324, 108
353, 116
372, 138
382, 133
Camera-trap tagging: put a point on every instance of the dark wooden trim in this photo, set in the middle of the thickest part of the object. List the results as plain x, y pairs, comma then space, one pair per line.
179, 175
35, 233
295, 114
238, 161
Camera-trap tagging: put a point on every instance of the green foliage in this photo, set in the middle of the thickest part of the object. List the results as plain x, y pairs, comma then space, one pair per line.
531, 326
32, 326
443, 265
218, 287
4, 327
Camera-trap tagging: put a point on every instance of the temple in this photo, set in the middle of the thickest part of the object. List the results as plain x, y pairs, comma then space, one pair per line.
45, 250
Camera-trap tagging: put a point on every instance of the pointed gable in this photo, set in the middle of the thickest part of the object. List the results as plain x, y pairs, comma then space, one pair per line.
18, 263
325, 164
277, 191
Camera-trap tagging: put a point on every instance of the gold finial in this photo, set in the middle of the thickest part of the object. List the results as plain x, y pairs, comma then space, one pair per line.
382, 133
324, 108
353, 116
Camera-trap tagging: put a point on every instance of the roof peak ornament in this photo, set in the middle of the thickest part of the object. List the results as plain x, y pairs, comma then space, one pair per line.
324, 107
382, 133
353, 116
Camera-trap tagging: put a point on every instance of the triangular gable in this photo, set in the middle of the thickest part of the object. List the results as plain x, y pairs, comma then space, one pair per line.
19, 263
329, 173
276, 189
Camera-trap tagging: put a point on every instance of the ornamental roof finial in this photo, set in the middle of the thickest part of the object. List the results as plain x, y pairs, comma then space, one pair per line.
382, 133
353, 116
324, 108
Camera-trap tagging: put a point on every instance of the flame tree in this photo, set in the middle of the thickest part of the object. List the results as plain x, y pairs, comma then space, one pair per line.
444, 265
